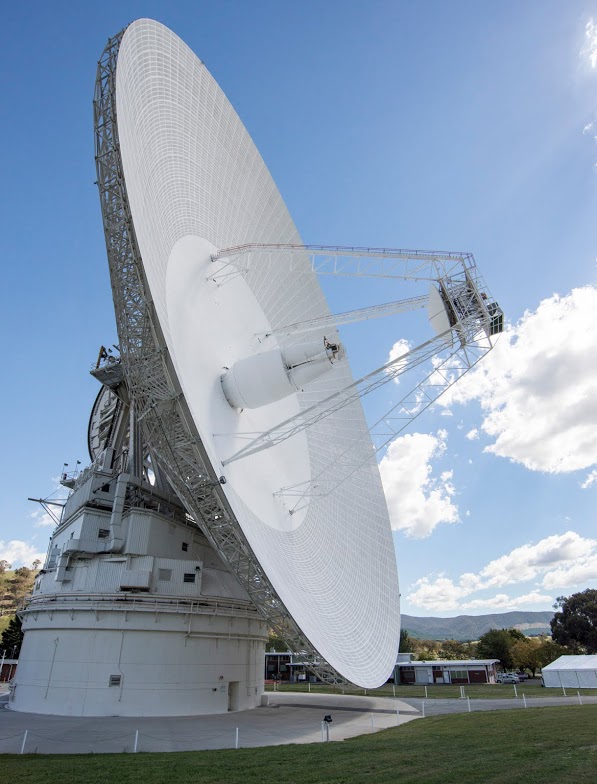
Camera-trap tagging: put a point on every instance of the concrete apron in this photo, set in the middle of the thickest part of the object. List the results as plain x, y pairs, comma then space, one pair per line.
285, 718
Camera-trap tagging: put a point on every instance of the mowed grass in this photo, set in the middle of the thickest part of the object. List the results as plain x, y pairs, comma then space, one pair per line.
476, 691
535, 746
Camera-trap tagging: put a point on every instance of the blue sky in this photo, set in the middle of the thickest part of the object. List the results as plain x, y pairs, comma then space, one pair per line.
443, 125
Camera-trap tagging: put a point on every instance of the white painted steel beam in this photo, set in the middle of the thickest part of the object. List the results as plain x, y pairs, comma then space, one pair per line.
350, 316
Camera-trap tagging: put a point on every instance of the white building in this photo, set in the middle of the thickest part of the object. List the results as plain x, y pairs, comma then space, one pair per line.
134, 613
461, 671
574, 672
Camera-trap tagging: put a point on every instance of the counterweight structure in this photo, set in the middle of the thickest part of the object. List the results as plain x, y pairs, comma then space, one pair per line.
133, 612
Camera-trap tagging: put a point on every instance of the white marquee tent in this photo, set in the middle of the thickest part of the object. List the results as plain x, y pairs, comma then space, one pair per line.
575, 672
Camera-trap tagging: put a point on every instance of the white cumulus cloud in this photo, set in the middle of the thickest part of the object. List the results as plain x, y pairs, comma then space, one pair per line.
538, 387
588, 52
503, 602
439, 594
417, 500
19, 553
399, 349
558, 561
527, 562
578, 573
43, 519
590, 479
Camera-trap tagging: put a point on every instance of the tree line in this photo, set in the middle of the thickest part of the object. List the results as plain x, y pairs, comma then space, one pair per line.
15, 586
573, 631
510, 646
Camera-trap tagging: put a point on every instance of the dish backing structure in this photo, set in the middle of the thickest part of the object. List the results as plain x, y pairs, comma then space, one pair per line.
234, 486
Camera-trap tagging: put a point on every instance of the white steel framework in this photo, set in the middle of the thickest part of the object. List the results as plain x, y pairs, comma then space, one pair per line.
474, 318
161, 410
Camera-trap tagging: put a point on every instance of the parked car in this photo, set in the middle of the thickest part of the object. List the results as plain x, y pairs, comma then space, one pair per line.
507, 677
523, 676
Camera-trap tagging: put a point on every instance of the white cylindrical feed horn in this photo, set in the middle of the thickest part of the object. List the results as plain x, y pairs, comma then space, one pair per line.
265, 378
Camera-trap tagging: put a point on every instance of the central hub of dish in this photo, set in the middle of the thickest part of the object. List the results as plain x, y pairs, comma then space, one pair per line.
272, 375
214, 333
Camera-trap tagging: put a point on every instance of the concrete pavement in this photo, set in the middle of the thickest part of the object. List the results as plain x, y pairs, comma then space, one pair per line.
288, 718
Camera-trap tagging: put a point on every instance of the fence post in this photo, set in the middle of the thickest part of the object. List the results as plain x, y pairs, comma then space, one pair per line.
24, 742
515, 692
579, 697
524, 699
309, 687
423, 708
236, 739
462, 695
394, 689
136, 744
397, 716
468, 702
564, 690
426, 695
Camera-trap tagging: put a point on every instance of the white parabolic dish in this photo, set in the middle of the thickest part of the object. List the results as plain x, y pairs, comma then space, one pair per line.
196, 183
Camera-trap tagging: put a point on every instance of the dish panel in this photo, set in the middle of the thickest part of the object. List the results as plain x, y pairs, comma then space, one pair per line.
195, 183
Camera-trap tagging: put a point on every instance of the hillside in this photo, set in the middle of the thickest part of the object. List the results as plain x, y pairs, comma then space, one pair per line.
14, 586
471, 627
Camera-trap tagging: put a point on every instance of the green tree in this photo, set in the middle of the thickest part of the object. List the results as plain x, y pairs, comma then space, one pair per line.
526, 655
550, 651
453, 649
406, 645
497, 644
516, 635
275, 643
12, 637
4, 566
575, 625
19, 584
425, 650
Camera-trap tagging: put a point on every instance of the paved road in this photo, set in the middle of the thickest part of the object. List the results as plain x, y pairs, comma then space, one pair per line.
436, 707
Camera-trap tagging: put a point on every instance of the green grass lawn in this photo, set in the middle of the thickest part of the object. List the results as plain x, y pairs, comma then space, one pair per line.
530, 688
535, 746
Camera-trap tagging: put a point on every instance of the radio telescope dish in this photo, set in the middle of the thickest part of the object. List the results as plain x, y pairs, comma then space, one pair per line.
209, 366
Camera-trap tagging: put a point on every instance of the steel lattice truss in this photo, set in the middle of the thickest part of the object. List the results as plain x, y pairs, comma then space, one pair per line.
160, 408
162, 413
474, 318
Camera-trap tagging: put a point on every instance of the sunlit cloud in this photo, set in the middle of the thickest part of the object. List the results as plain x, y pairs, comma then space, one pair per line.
19, 553
417, 499
558, 561
590, 479
399, 349
42, 519
503, 602
538, 387
588, 52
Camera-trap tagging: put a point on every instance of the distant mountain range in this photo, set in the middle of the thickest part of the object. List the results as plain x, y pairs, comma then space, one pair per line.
471, 627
